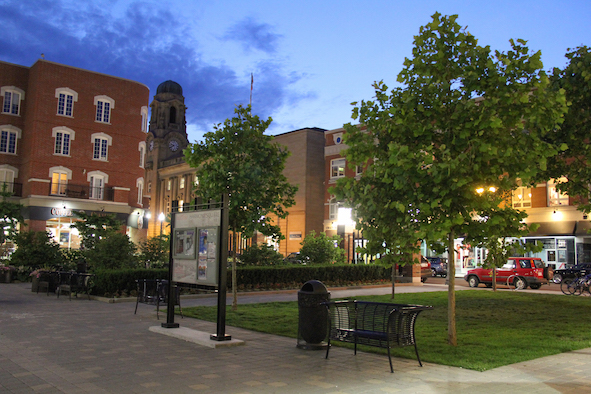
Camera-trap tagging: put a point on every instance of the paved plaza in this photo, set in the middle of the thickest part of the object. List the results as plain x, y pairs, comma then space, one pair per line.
51, 345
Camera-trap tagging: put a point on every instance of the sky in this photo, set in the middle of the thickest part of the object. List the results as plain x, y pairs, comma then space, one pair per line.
310, 59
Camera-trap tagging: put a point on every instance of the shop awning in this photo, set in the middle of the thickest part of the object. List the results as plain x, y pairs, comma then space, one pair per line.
583, 227
555, 228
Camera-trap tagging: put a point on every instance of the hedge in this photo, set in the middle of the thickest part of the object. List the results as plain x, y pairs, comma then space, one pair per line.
122, 282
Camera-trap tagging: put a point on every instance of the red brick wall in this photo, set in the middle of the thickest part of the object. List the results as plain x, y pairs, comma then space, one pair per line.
39, 117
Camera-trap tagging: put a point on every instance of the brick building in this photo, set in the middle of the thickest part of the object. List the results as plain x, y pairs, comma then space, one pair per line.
72, 139
563, 230
169, 178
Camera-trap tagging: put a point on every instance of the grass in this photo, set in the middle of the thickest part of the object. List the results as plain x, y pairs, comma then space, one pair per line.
494, 328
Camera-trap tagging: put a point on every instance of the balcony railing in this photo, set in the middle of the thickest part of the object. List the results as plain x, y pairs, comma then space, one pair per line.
15, 189
84, 192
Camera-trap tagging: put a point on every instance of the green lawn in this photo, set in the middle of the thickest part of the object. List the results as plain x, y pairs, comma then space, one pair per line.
494, 329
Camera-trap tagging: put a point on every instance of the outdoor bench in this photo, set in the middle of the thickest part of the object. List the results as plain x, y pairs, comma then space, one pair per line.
375, 324
155, 292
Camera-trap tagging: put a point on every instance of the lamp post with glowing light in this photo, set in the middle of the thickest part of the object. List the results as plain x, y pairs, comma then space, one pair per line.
161, 218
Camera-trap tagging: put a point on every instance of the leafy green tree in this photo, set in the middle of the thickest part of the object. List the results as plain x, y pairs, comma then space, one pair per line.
10, 216
36, 249
465, 118
322, 249
239, 159
154, 252
574, 160
113, 252
93, 227
261, 255
498, 231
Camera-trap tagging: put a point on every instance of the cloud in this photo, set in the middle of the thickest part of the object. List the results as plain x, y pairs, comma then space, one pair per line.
147, 44
252, 34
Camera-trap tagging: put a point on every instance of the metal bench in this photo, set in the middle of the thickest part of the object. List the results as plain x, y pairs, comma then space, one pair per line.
375, 324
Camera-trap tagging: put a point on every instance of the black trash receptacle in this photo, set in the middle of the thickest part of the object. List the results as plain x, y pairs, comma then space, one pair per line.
313, 317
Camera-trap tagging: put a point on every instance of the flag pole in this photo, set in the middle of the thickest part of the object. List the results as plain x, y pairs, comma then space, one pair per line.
251, 83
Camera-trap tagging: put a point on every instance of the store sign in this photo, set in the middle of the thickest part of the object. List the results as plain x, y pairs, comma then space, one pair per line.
61, 212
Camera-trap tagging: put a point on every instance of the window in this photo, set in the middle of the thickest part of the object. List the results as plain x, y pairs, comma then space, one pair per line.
522, 197
337, 168
97, 180
149, 187
182, 183
7, 175
101, 143
142, 149
140, 190
8, 137
555, 197
181, 203
169, 185
104, 105
63, 137
65, 101
333, 208
144, 118
12, 99
59, 179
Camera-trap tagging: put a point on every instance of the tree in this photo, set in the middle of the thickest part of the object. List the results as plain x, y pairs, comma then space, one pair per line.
573, 163
498, 231
36, 249
154, 251
322, 249
10, 216
113, 252
93, 227
463, 119
239, 159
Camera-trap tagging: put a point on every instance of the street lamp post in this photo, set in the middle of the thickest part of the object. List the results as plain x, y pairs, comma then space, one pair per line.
161, 218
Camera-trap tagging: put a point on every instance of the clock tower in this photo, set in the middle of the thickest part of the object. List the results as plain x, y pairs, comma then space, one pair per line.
165, 141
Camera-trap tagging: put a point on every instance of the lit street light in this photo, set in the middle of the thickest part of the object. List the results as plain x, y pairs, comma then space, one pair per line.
161, 217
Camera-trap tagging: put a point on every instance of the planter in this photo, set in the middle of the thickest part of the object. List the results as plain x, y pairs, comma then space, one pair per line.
35, 284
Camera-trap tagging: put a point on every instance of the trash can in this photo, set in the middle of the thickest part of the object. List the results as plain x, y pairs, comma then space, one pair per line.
313, 317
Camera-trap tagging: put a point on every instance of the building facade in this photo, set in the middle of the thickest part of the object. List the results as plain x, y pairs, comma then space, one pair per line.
563, 230
169, 178
72, 139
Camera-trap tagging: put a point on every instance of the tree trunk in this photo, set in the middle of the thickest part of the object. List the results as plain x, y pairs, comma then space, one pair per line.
234, 281
394, 274
452, 338
494, 278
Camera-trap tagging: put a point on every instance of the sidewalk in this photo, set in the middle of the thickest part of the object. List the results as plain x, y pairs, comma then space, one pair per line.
50, 345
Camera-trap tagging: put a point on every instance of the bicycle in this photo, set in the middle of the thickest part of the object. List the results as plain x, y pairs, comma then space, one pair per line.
577, 285
517, 282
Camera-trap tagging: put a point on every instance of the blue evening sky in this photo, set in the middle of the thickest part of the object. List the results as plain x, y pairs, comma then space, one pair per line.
310, 58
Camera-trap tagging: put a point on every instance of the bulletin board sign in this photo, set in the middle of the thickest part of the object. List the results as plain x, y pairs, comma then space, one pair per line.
184, 243
196, 247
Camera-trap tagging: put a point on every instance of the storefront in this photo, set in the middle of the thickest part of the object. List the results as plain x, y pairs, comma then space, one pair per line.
59, 222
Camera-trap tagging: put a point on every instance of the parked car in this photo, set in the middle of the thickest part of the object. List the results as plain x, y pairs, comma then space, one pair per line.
294, 258
425, 269
570, 272
526, 271
438, 266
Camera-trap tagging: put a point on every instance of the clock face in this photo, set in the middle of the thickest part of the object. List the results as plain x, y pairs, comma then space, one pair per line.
151, 145
173, 145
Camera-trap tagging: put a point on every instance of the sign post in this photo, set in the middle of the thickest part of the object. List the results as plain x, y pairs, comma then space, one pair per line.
222, 275
171, 290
